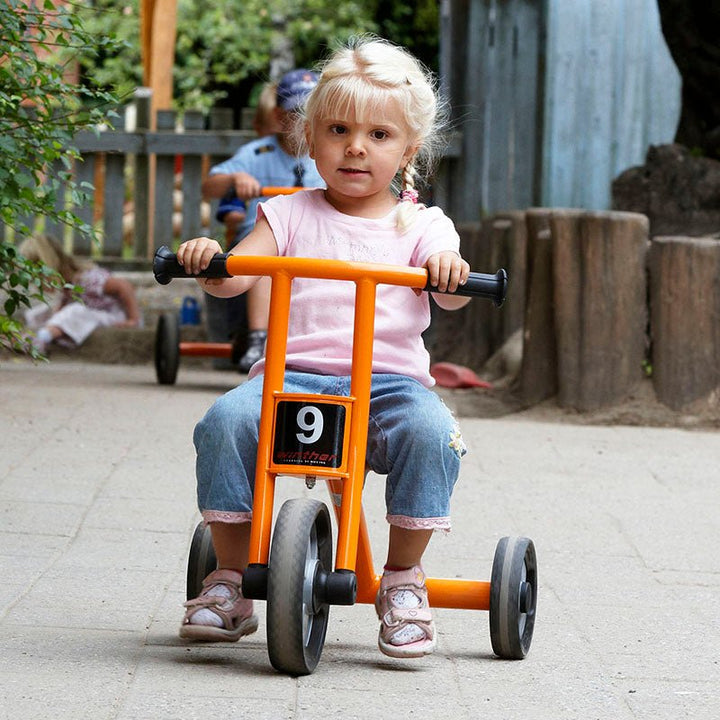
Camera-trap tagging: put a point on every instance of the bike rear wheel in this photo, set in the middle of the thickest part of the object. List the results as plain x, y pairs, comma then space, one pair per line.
167, 348
201, 560
513, 597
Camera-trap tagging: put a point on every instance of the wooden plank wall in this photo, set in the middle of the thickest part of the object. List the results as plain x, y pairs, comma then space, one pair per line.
554, 99
490, 54
611, 90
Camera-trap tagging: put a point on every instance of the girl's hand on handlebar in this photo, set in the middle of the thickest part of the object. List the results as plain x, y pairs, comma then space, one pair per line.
195, 255
447, 271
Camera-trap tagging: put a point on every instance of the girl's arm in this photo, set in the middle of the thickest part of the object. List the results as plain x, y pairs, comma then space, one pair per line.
124, 291
447, 270
245, 185
195, 255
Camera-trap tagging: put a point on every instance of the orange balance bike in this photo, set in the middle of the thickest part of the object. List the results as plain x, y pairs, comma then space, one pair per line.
319, 436
169, 348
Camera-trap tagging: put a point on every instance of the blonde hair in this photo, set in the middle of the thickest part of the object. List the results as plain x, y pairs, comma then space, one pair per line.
46, 250
361, 79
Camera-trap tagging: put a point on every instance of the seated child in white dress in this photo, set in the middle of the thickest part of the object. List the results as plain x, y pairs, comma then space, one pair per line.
70, 318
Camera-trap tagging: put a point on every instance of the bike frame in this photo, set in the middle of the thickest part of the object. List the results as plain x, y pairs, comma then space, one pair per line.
353, 551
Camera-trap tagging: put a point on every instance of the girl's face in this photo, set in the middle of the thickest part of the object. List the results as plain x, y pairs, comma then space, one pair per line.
358, 161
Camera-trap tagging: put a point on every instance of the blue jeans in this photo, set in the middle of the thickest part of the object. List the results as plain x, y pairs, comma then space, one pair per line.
412, 438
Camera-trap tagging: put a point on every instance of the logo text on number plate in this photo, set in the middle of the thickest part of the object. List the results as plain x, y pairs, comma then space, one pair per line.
308, 433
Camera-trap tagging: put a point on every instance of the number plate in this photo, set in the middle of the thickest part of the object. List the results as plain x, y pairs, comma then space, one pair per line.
308, 433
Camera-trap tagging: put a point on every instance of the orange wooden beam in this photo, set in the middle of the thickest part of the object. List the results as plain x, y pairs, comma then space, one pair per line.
158, 31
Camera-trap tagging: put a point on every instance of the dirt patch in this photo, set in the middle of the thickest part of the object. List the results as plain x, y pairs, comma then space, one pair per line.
640, 408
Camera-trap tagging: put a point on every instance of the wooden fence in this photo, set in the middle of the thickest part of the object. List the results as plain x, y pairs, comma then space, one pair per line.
137, 171
140, 172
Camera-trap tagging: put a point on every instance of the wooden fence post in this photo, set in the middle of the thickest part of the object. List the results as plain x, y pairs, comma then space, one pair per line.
467, 340
508, 249
84, 174
538, 372
220, 119
469, 336
55, 229
114, 195
143, 99
599, 281
164, 185
191, 182
453, 336
685, 319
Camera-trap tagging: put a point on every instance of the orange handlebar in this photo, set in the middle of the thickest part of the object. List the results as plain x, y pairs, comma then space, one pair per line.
274, 190
326, 269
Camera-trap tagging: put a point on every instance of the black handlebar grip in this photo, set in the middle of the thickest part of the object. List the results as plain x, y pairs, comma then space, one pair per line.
482, 285
166, 267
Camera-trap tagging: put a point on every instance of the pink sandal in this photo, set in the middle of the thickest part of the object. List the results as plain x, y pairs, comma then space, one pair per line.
407, 629
235, 612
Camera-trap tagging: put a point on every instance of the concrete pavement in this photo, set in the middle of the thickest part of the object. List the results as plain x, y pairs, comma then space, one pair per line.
97, 509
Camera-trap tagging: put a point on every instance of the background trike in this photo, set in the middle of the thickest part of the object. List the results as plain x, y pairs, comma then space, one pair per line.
318, 436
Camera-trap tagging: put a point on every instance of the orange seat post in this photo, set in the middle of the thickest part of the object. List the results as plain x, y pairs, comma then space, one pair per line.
264, 492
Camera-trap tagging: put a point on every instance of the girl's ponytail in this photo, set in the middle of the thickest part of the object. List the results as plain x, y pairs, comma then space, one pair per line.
408, 198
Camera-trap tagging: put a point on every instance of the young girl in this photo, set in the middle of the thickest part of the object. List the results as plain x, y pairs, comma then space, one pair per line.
371, 120
105, 300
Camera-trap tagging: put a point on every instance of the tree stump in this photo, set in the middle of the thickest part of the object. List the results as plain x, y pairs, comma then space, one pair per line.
600, 313
478, 336
508, 249
451, 336
538, 372
469, 336
685, 319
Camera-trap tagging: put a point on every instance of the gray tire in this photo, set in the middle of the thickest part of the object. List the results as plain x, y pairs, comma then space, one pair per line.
201, 560
297, 620
513, 597
167, 348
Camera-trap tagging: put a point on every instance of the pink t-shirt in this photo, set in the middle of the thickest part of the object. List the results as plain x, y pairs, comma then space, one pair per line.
322, 311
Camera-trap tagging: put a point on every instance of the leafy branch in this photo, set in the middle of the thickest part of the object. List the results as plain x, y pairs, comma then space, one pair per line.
42, 107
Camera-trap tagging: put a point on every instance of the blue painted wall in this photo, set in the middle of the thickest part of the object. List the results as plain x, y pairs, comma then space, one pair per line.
554, 98
611, 90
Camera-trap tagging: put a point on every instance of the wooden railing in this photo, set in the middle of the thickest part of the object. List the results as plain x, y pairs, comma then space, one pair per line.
138, 172
137, 175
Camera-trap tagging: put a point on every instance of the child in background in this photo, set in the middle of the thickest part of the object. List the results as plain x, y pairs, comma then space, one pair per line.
371, 122
105, 300
274, 160
231, 210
